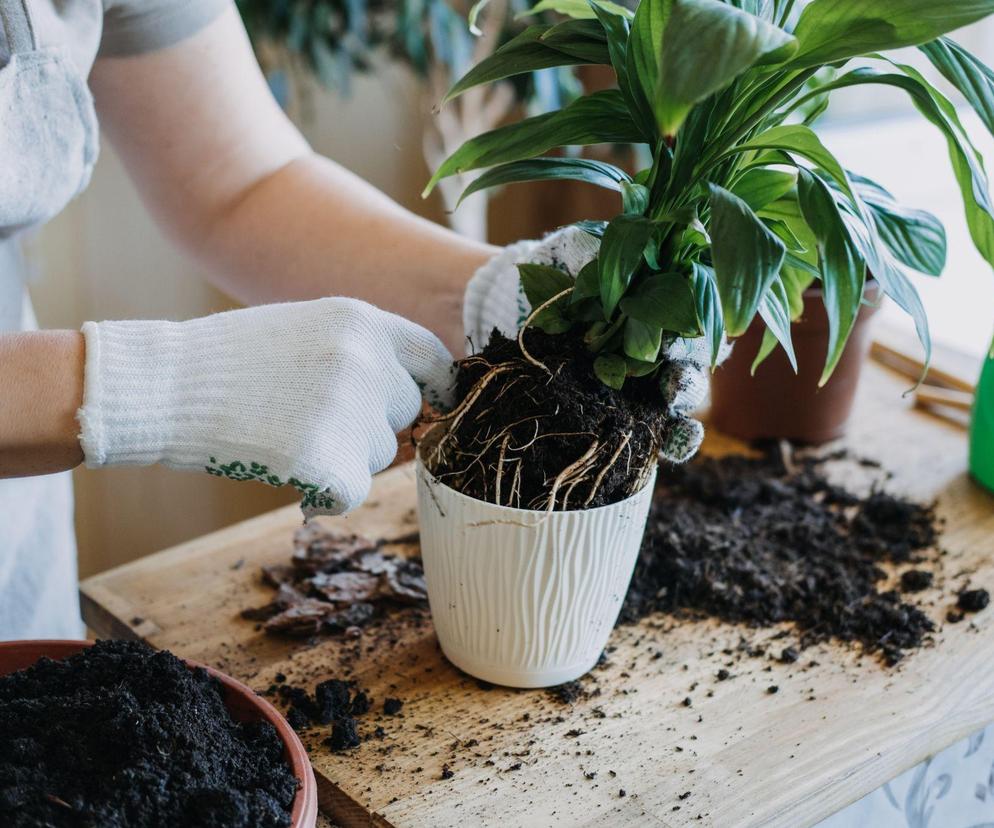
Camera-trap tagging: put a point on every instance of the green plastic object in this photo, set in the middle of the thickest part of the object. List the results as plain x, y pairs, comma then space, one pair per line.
982, 428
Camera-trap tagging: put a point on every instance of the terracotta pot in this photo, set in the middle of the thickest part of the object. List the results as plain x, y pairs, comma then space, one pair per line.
778, 404
242, 703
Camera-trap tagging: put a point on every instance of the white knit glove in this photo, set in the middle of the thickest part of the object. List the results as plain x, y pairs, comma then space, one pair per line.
494, 299
309, 394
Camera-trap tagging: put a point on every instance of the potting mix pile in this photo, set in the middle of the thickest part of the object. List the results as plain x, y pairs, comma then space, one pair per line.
123, 735
336, 584
769, 539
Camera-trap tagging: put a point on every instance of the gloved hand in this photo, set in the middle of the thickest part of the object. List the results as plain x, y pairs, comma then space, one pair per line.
309, 394
494, 299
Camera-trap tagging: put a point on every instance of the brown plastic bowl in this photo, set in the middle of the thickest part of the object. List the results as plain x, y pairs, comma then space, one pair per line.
242, 703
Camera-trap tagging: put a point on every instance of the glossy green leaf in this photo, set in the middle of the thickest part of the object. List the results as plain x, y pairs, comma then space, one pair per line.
843, 270
620, 255
599, 118
775, 312
588, 285
973, 79
542, 282
766, 347
665, 301
796, 139
747, 258
528, 52
966, 162
709, 308
706, 45
916, 238
577, 9
587, 170
642, 341
634, 198
759, 186
582, 39
642, 56
611, 369
834, 30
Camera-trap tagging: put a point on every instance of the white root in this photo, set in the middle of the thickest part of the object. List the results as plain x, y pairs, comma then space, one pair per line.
528, 321
606, 469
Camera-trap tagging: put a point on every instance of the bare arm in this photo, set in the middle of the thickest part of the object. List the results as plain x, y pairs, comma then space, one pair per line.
226, 172
41, 387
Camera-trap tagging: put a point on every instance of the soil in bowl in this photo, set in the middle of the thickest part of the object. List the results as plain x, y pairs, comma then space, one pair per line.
124, 735
540, 431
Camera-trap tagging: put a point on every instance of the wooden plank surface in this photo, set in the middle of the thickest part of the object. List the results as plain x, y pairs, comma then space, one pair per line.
737, 757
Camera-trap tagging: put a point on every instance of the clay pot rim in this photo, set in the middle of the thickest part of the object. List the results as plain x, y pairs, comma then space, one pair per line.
305, 804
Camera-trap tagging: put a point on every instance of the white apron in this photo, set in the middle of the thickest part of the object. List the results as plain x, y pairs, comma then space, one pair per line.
48, 145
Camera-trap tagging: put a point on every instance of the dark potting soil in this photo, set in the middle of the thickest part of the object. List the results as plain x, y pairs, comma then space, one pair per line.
527, 425
750, 540
333, 702
124, 735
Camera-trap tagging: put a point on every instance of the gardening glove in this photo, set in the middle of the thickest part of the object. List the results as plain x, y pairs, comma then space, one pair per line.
494, 299
309, 394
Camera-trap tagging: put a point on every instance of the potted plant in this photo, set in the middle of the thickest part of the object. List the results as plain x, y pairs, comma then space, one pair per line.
740, 211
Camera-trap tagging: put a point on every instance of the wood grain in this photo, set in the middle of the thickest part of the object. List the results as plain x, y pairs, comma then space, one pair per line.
738, 756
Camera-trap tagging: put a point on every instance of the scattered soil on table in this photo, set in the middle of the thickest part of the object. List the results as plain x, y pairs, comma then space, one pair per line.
337, 583
764, 540
123, 735
538, 437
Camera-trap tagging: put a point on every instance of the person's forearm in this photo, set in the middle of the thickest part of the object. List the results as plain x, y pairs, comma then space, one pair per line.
41, 388
313, 228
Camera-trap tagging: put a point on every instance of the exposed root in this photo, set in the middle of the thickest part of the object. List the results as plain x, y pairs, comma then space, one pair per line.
521, 331
538, 431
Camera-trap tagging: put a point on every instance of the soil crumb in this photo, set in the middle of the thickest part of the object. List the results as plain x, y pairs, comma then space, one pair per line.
337, 583
124, 735
973, 600
764, 540
528, 437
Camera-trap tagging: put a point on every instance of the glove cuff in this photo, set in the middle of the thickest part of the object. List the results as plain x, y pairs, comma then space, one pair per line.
146, 384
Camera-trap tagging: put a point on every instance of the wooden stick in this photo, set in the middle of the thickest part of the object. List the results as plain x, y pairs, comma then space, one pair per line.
912, 367
948, 397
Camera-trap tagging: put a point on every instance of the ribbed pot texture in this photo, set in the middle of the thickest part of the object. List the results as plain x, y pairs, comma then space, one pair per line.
525, 598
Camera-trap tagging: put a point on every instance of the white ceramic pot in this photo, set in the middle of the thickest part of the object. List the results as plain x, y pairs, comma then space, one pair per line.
520, 597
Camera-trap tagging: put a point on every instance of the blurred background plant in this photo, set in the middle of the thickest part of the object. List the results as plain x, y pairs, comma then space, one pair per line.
332, 40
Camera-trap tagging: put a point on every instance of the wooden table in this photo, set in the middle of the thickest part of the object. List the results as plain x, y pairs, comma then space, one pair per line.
737, 756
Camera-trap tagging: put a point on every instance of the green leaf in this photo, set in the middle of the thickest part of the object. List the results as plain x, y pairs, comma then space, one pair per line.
634, 198
915, 237
620, 254
799, 140
665, 301
642, 341
973, 79
967, 165
539, 169
775, 312
835, 30
542, 282
588, 285
766, 347
759, 186
709, 308
638, 368
706, 45
642, 56
577, 9
474, 15
611, 369
599, 118
583, 39
528, 53
747, 258
843, 271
